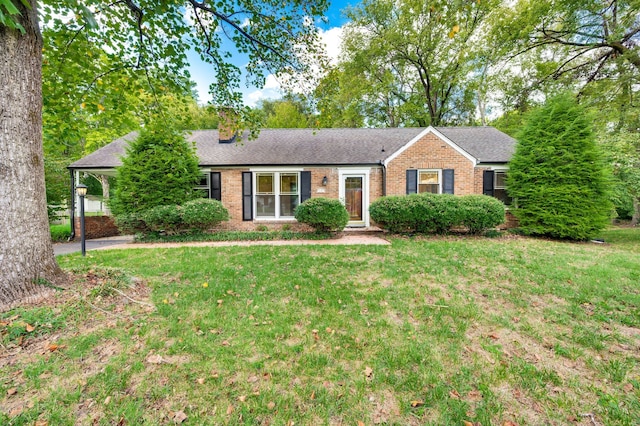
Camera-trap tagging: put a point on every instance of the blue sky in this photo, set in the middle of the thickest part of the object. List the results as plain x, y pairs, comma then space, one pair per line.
331, 32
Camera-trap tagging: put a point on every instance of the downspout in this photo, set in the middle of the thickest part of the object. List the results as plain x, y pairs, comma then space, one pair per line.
72, 214
384, 178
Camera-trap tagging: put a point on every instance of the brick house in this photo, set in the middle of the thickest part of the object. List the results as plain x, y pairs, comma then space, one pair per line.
262, 181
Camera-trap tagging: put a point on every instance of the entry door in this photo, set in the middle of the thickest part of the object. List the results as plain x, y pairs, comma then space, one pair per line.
354, 190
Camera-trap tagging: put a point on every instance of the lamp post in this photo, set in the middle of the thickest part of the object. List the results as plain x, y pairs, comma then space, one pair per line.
81, 190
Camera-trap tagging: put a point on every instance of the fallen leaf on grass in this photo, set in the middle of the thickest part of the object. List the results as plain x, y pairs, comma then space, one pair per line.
15, 412
53, 347
313, 395
179, 417
474, 395
200, 381
12, 391
360, 423
509, 423
229, 409
253, 379
454, 394
41, 423
271, 405
242, 398
628, 387
29, 328
368, 372
417, 403
154, 359
494, 336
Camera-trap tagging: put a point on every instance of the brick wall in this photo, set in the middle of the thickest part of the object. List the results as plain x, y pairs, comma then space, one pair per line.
431, 152
232, 194
97, 227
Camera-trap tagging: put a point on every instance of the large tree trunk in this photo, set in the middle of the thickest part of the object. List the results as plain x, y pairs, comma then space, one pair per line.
636, 211
26, 252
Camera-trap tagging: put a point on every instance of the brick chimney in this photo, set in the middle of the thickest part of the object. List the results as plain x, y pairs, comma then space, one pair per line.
227, 125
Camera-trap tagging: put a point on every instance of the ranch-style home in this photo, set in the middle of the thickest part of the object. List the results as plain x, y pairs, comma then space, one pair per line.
261, 181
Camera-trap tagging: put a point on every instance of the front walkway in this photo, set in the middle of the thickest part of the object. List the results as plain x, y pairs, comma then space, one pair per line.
126, 242
98, 243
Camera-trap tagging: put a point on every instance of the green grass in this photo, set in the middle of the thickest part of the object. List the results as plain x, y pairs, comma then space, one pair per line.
60, 233
264, 235
426, 331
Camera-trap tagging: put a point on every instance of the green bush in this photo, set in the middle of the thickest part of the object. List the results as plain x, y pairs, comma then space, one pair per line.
323, 214
480, 212
557, 177
203, 214
130, 223
160, 168
424, 213
60, 233
198, 214
163, 218
437, 213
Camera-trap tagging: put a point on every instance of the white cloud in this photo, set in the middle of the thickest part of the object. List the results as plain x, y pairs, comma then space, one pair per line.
332, 39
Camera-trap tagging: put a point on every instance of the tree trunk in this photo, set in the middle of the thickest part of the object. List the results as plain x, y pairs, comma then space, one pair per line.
636, 211
104, 180
26, 252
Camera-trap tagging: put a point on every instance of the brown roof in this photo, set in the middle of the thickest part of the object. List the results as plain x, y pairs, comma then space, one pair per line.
282, 147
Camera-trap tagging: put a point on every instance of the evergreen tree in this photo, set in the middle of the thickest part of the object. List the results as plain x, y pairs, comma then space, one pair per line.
160, 168
556, 176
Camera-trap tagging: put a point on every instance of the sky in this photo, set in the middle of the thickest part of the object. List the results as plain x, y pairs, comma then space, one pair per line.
331, 33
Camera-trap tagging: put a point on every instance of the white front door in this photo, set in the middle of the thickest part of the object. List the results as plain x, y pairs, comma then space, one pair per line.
354, 193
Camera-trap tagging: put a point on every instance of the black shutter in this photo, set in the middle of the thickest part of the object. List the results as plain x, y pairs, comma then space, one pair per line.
305, 186
487, 182
447, 181
412, 181
216, 186
247, 196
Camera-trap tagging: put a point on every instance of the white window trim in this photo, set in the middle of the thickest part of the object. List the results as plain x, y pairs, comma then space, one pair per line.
430, 170
276, 192
495, 179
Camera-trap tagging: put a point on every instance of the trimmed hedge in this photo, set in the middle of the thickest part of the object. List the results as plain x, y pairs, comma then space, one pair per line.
480, 212
204, 213
198, 214
437, 213
162, 218
323, 214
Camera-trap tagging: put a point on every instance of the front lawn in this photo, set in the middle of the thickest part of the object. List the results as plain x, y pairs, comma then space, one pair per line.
442, 331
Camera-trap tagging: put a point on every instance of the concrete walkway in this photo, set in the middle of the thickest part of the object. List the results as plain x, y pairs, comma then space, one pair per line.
98, 243
126, 242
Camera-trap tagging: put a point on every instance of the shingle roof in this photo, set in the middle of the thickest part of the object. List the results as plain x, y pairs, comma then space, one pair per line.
486, 144
281, 147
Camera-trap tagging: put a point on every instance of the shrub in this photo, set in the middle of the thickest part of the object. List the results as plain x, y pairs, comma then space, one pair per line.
160, 168
557, 177
163, 218
130, 223
424, 213
437, 213
323, 214
60, 233
480, 212
203, 213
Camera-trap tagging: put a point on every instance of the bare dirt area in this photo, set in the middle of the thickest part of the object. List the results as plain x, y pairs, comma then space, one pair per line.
92, 303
